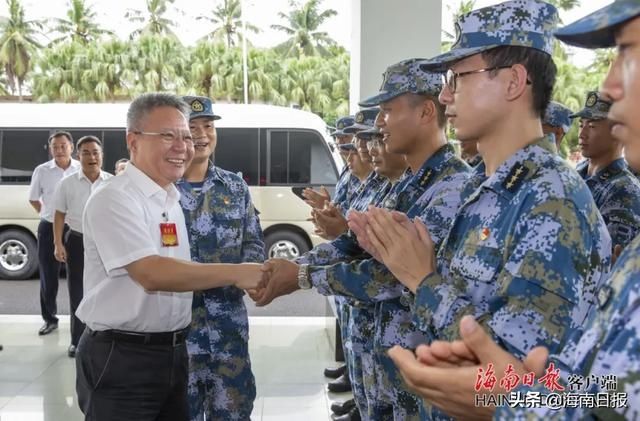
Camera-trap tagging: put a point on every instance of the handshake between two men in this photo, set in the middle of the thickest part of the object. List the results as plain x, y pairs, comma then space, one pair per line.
390, 237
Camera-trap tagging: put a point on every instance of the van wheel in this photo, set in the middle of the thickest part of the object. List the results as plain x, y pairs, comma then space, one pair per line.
18, 255
285, 245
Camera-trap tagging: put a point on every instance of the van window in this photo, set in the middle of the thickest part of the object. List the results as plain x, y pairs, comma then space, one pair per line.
238, 151
299, 157
21, 152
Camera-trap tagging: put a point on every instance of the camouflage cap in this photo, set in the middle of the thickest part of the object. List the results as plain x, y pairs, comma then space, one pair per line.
346, 147
523, 23
597, 30
364, 119
405, 77
595, 107
341, 123
200, 106
369, 134
557, 115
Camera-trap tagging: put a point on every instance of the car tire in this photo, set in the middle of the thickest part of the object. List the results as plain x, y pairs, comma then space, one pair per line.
285, 245
18, 255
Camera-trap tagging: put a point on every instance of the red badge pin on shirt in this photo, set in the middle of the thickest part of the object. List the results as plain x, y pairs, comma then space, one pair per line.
484, 234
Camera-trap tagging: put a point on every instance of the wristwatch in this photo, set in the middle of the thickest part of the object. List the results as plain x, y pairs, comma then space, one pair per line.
304, 281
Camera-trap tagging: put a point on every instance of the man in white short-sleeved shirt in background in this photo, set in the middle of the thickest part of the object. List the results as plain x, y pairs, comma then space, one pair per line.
70, 197
131, 361
43, 183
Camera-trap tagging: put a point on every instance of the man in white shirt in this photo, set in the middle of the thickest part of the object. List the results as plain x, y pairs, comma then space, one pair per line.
131, 361
43, 184
71, 195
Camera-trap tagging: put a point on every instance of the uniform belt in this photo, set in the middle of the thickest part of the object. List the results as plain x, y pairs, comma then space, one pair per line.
155, 338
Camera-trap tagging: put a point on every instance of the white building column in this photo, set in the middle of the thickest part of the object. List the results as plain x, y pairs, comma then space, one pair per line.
385, 32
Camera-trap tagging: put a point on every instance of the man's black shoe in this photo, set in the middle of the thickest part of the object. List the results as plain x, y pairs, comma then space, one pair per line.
48, 328
340, 385
353, 415
71, 351
341, 408
334, 373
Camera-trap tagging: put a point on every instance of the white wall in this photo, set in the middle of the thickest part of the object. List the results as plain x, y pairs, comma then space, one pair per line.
385, 32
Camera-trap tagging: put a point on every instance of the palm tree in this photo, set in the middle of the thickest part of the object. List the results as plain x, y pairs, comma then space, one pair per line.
17, 45
464, 7
159, 63
80, 25
227, 18
565, 4
302, 25
153, 18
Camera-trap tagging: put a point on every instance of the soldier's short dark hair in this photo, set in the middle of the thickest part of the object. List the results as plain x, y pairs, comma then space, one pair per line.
417, 99
541, 70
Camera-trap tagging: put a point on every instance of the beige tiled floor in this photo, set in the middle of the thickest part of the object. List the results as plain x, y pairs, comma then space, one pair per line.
37, 379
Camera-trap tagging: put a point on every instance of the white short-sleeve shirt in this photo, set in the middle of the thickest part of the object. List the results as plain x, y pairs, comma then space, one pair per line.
43, 185
71, 195
121, 224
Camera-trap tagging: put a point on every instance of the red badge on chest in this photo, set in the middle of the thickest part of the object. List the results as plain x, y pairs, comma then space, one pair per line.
168, 234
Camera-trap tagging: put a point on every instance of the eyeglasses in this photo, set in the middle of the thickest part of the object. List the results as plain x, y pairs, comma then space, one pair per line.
450, 78
170, 136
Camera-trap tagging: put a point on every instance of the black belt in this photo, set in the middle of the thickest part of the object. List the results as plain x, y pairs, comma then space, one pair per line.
76, 233
155, 338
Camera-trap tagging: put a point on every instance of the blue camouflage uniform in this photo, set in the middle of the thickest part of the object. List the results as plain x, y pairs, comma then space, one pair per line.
223, 228
610, 343
616, 192
615, 189
432, 193
528, 249
526, 254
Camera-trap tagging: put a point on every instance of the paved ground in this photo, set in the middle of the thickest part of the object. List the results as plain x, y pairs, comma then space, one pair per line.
22, 297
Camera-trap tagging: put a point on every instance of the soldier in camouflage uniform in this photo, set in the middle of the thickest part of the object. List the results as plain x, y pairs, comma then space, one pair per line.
556, 121
609, 346
615, 189
223, 227
434, 181
528, 248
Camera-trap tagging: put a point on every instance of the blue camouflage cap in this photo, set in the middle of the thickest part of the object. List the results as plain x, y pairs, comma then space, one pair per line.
369, 134
557, 115
595, 107
200, 106
364, 119
522, 23
405, 77
597, 30
341, 123
346, 147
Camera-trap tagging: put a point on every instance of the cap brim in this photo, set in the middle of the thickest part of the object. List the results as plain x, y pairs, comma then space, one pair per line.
368, 134
442, 62
209, 116
356, 128
596, 30
337, 133
584, 113
382, 96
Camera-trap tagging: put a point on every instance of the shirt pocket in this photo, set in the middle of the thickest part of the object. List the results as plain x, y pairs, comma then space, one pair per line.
475, 269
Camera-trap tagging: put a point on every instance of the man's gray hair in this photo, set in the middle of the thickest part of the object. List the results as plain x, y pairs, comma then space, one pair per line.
145, 103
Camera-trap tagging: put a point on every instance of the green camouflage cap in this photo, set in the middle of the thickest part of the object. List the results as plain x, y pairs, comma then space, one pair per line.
595, 107
405, 77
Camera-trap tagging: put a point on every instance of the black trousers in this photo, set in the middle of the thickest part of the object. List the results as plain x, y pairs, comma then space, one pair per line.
122, 381
49, 272
75, 267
